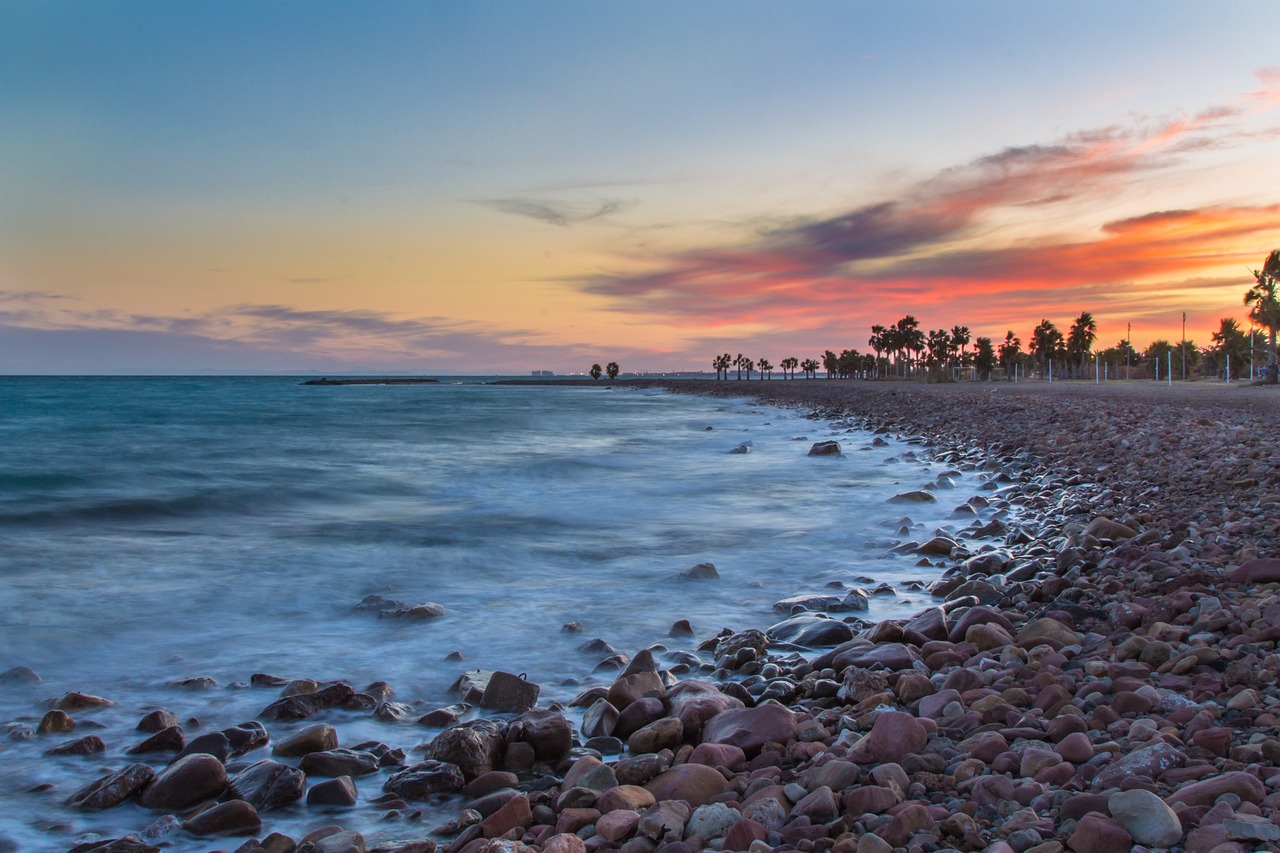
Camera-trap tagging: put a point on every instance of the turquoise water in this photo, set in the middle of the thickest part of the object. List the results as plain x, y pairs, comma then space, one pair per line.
154, 529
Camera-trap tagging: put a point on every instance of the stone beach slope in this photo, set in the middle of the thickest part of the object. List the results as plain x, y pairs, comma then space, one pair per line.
1098, 672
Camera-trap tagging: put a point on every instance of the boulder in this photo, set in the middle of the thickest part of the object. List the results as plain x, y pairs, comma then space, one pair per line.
1097, 833
316, 738
234, 817
474, 747
700, 572
548, 732
339, 762
1203, 793
422, 780
750, 729
112, 789
1104, 528
893, 736
696, 784
339, 791
600, 719
826, 448
1259, 570
267, 785
916, 496
185, 783
1146, 817
509, 694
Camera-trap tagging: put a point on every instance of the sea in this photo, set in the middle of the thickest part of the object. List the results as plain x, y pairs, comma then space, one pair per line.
157, 530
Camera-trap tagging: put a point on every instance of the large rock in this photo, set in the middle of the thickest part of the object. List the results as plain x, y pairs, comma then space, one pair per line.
600, 719
473, 747
1148, 762
893, 736
185, 783
268, 785
1097, 833
509, 694
1104, 528
422, 780
696, 784
112, 789
826, 448
1205, 792
318, 738
339, 762
1146, 817
891, 656
1260, 570
1047, 629
694, 702
548, 732
234, 817
810, 630
750, 729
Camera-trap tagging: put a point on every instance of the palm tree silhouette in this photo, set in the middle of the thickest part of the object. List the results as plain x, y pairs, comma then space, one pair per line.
611, 369
1265, 308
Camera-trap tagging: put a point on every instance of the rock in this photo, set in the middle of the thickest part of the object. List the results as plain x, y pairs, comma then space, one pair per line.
165, 740
426, 610
700, 572
1104, 528
234, 817
917, 496
890, 656
938, 546
681, 628
718, 755
1146, 817
316, 738
55, 722
696, 784
158, 721
745, 833
514, 813
339, 762
246, 737
339, 791
268, 785
664, 821
509, 694
112, 789
1203, 793
664, 733
1259, 570
1243, 827
893, 736
548, 732
77, 701
474, 747
185, 783
1148, 762
750, 729
87, 745
302, 705
600, 719
624, 797
422, 780
1046, 628
1096, 833
812, 632
19, 675
210, 743
334, 840
826, 448
564, 842
616, 825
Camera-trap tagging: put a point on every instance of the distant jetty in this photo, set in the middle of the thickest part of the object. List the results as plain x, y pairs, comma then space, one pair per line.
397, 381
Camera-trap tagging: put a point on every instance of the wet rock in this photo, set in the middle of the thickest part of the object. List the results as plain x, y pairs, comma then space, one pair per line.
1104, 528
55, 722
112, 789
516, 812
548, 732
474, 747
165, 740
1096, 833
19, 675
917, 496
316, 738
422, 780
415, 612
332, 840
158, 721
1248, 788
339, 791
600, 719
826, 448
700, 572
185, 783
681, 628
509, 694
234, 817
339, 762
210, 743
77, 701
87, 745
268, 785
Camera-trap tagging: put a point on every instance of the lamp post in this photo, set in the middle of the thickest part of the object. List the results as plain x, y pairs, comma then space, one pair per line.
1128, 348
1184, 345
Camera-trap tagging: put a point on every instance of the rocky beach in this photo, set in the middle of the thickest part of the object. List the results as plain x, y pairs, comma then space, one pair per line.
1097, 671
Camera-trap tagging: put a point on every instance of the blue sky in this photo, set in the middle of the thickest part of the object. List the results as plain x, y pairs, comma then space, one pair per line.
456, 187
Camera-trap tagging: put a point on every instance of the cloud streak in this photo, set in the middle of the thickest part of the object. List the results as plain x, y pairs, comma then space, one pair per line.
558, 213
963, 243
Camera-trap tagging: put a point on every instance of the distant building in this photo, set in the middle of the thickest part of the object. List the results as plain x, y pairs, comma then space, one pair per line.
543, 373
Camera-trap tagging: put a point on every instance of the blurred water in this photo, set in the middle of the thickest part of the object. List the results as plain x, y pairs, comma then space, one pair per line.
153, 529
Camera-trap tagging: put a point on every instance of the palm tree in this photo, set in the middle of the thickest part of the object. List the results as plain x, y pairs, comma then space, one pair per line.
810, 368
876, 342
1084, 331
960, 337
611, 370
939, 347
984, 357
1231, 346
1046, 340
830, 363
910, 338
596, 371
765, 367
789, 364
748, 365
721, 364
1010, 350
1265, 308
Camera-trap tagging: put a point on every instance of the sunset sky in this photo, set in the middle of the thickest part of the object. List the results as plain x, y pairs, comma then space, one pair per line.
444, 187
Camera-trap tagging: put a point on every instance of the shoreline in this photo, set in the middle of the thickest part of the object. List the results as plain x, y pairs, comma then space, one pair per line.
1085, 658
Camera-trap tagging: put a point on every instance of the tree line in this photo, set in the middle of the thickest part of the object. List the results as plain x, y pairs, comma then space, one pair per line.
905, 350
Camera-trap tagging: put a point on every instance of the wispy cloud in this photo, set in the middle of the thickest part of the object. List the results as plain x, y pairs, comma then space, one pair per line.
555, 212
960, 239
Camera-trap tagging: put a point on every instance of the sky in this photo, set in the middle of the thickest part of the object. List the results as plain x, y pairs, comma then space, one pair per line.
499, 187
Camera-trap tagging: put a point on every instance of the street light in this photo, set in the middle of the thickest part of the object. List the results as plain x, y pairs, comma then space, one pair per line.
1184, 345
